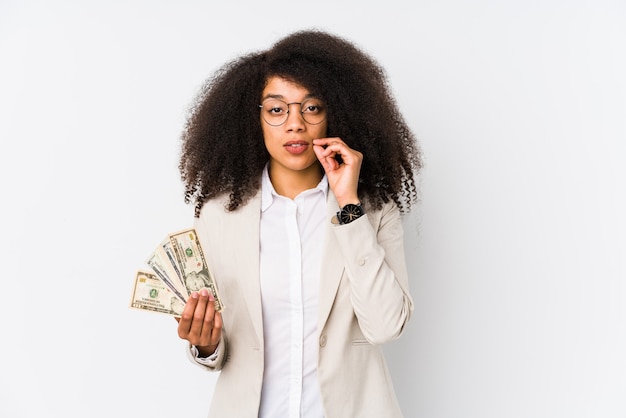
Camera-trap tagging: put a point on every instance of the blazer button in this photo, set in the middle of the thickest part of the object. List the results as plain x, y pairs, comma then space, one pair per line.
361, 261
323, 340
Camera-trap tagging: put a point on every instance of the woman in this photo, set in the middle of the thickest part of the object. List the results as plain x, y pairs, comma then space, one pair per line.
299, 165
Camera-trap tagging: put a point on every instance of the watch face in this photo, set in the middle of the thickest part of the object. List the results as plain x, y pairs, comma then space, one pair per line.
351, 212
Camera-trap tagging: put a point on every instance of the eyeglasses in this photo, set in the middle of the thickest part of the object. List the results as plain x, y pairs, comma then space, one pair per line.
275, 112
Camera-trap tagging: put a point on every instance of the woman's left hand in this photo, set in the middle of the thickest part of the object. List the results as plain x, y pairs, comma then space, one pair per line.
343, 178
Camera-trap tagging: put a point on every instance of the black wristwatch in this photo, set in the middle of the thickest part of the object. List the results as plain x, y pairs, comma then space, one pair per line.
349, 213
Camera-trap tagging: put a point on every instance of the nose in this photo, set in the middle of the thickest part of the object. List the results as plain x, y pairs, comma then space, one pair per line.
295, 121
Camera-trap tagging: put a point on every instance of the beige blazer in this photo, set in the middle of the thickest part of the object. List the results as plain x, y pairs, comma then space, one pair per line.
364, 302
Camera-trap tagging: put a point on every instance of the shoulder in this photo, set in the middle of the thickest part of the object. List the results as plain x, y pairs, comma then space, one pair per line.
216, 208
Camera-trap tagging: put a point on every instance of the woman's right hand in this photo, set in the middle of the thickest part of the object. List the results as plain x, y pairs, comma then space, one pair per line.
200, 324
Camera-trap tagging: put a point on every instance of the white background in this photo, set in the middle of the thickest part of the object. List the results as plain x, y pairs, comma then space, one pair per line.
517, 249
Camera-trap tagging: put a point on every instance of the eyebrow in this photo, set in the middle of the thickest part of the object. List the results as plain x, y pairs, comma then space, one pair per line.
281, 97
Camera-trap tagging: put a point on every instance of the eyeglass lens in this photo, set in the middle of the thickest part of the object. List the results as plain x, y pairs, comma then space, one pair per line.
275, 112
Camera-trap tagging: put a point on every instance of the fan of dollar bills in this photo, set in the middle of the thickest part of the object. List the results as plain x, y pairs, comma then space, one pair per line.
177, 268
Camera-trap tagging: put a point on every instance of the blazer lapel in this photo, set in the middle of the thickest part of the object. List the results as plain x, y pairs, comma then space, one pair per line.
332, 265
246, 259
247, 224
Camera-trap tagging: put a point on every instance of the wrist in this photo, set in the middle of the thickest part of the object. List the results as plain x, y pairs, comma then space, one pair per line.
206, 351
348, 200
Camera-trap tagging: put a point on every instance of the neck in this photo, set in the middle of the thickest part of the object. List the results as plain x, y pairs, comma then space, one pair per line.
291, 183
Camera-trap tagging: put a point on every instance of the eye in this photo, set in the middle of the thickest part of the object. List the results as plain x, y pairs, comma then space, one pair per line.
275, 110
275, 107
312, 108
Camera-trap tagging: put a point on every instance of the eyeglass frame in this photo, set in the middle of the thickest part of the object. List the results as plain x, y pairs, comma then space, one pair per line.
287, 113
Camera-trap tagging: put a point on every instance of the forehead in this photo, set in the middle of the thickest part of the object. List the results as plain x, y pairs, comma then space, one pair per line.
281, 88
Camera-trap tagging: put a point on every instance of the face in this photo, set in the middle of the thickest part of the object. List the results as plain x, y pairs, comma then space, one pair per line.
195, 281
290, 144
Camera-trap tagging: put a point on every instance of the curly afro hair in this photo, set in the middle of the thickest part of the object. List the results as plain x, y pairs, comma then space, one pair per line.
223, 151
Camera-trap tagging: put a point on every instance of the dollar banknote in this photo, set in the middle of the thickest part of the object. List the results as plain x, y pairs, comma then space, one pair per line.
192, 264
151, 294
166, 252
164, 272
178, 268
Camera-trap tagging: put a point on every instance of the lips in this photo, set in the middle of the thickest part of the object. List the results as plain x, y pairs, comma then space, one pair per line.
296, 147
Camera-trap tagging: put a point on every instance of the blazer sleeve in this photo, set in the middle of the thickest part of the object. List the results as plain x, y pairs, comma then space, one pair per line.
211, 364
375, 265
